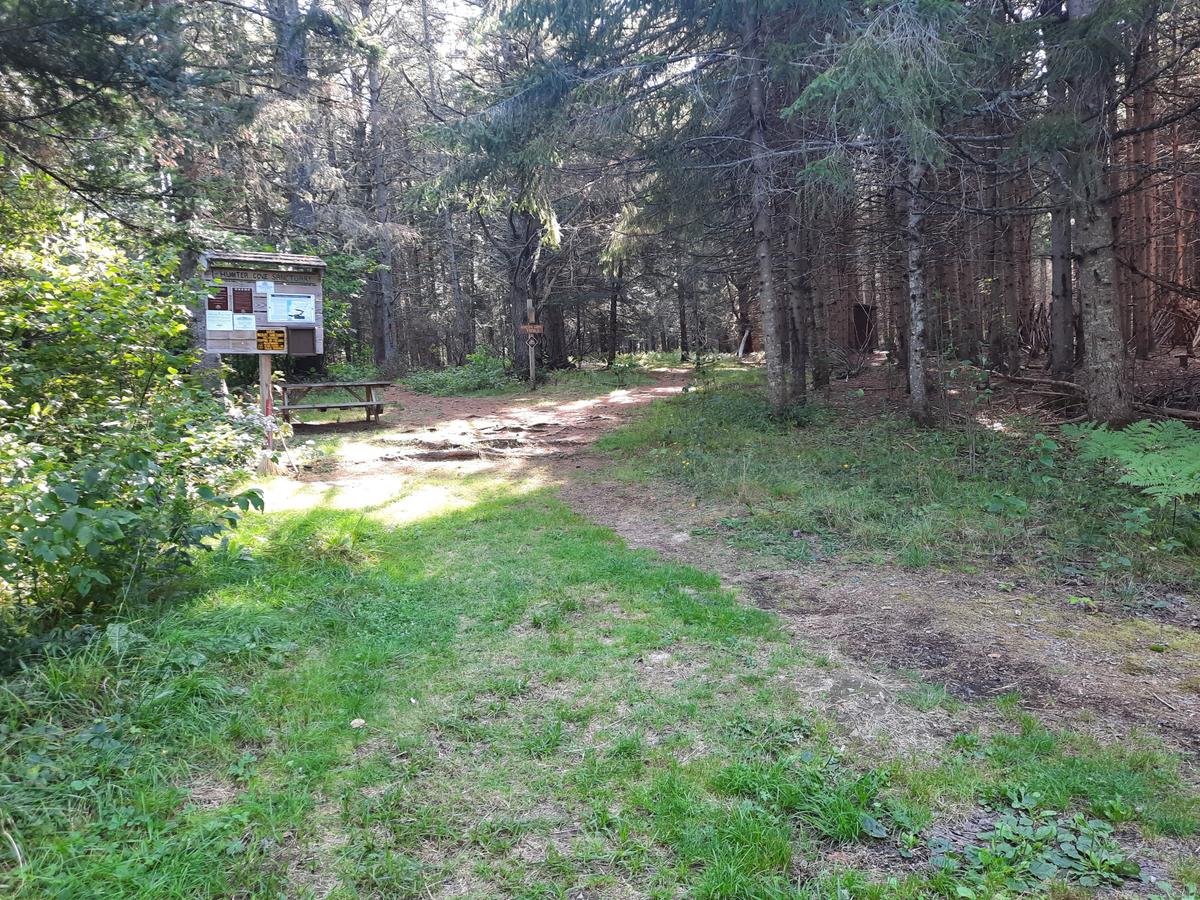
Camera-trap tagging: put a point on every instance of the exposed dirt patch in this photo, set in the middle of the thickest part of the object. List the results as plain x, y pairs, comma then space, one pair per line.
311, 864
208, 792
482, 431
978, 636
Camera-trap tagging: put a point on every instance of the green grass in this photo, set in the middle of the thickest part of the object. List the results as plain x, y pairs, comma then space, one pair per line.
490, 377
926, 697
880, 489
545, 712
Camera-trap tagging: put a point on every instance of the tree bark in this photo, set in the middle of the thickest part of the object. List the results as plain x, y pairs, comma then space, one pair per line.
682, 284
898, 305
1143, 152
521, 254
777, 388
386, 338
554, 341
464, 325
1062, 305
613, 299
1107, 380
799, 301
917, 296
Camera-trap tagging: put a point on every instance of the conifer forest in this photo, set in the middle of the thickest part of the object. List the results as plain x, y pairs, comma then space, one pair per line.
600, 448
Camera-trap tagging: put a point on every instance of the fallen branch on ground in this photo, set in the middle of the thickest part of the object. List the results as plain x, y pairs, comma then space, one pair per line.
1071, 389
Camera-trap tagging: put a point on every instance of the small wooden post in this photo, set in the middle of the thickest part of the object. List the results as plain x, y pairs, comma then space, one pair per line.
531, 342
264, 394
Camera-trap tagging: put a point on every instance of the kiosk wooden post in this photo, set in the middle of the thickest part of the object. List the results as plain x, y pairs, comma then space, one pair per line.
264, 395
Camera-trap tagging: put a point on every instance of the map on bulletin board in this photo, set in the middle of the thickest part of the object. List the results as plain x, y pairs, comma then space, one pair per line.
292, 308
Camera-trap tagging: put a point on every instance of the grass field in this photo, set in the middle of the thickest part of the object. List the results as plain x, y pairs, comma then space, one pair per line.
542, 711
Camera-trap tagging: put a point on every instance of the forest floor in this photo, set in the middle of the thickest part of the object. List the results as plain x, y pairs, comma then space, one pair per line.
427, 671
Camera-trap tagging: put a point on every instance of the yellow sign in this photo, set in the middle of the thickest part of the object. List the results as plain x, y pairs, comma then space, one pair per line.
271, 340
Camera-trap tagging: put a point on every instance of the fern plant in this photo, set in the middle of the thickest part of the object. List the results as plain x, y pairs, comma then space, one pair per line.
1161, 459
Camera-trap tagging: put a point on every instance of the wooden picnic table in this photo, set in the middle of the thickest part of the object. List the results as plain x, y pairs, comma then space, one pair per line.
366, 396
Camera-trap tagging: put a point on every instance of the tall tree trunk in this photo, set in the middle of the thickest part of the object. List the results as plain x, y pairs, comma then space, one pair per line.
524, 247
1011, 287
917, 298
387, 354
1143, 153
742, 312
1062, 305
464, 325
613, 299
291, 63
818, 315
799, 300
1107, 381
760, 198
682, 285
554, 341
898, 304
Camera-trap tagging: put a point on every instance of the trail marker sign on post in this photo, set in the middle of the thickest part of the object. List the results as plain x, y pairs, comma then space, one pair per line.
266, 304
531, 330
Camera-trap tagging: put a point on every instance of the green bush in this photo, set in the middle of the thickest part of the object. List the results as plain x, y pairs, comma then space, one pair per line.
357, 368
483, 372
113, 463
1160, 459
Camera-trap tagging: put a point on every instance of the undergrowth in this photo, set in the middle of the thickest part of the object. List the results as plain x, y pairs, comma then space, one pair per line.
483, 373
825, 482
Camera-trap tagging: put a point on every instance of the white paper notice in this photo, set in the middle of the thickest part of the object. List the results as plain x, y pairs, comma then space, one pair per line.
277, 308
243, 321
264, 287
219, 320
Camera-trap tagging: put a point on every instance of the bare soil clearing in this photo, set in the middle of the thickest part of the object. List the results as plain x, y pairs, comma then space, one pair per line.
979, 636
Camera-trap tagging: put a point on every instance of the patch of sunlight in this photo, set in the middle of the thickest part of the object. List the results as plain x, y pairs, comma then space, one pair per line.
285, 494
396, 499
993, 424
423, 503
435, 499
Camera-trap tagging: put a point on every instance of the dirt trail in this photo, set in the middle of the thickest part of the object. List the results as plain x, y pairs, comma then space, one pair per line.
978, 636
485, 431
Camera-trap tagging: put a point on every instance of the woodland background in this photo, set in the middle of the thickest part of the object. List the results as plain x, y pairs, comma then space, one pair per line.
1003, 183
956, 192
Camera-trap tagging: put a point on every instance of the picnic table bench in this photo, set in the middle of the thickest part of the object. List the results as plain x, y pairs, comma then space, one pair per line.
366, 396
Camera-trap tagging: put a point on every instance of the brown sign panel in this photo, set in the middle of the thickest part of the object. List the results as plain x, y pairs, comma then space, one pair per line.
243, 300
308, 278
219, 298
271, 340
302, 341
533, 329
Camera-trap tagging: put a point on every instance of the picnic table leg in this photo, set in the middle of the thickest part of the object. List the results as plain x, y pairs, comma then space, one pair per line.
378, 407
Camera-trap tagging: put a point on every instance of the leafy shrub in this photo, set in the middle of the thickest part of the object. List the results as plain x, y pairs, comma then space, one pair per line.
623, 369
1027, 846
357, 368
1161, 459
113, 463
483, 372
